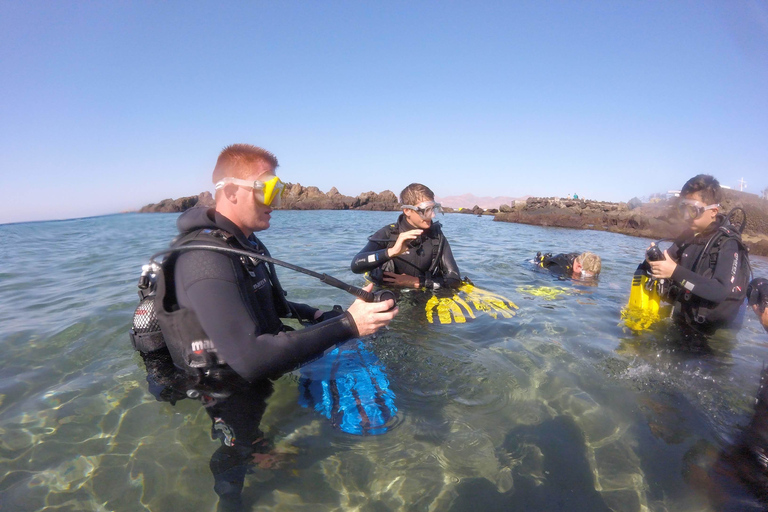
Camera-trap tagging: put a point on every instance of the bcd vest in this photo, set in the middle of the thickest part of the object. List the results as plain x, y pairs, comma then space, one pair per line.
705, 312
179, 331
420, 246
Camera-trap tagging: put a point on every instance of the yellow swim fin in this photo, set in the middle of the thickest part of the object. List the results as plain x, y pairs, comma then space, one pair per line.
645, 306
448, 310
488, 302
467, 301
546, 292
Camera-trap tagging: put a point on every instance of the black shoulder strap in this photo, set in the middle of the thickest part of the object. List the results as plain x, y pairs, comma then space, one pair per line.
437, 250
284, 308
712, 249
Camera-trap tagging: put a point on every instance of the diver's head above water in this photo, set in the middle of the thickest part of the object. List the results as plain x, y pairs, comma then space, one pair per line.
700, 202
419, 206
246, 186
587, 264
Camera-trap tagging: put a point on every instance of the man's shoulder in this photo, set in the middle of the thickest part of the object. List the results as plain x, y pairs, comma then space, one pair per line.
386, 231
195, 265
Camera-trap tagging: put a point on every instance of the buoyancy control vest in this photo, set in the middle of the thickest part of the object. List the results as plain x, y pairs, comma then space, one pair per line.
160, 323
561, 263
430, 244
701, 311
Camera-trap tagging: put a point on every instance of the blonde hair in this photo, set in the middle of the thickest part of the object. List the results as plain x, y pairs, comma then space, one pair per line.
590, 262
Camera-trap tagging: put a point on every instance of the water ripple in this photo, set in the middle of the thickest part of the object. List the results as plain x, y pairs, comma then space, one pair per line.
79, 431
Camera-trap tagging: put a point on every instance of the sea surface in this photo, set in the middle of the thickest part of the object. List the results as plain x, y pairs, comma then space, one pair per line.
557, 408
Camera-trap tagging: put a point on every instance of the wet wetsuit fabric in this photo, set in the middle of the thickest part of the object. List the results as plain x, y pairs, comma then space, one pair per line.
243, 323
421, 257
707, 296
235, 410
560, 264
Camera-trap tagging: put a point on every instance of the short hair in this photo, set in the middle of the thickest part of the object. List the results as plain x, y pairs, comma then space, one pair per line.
415, 191
236, 161
590, 262
704, 184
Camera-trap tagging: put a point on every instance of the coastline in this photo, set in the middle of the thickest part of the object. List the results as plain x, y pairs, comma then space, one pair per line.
651, 220
655, 220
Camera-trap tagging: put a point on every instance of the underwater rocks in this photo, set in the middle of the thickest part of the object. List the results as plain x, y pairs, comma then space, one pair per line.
650, 220
295, 197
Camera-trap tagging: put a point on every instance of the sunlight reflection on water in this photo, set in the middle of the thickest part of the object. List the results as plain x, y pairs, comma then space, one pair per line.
481, 406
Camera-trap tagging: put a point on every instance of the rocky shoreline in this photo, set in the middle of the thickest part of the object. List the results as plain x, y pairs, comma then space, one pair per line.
295, 197
649, 220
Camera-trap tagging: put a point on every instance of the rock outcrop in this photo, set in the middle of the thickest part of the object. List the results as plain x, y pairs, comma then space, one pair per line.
295, 197
181, 204
654, 220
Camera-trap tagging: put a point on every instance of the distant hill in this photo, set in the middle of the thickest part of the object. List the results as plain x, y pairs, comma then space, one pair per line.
470, 200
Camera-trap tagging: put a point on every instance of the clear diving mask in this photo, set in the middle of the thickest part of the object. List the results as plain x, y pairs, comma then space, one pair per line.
268, 193
426, 210
691, 209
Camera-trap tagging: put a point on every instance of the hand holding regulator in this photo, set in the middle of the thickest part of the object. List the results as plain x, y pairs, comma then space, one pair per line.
654, 253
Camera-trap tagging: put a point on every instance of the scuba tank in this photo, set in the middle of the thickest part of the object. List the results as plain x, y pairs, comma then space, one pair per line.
145, 332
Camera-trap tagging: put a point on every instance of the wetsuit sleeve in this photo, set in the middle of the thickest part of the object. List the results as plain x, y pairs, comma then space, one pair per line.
450, 277
207, 284
373, 255
717, 288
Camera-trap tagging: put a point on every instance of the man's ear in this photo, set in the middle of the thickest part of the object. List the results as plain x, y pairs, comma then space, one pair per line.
230, 193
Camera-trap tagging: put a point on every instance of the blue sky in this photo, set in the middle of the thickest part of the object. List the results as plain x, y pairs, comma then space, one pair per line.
107, 106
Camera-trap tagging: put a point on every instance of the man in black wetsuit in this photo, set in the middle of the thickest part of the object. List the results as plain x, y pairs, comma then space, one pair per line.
413, 252
220, 314
708, 264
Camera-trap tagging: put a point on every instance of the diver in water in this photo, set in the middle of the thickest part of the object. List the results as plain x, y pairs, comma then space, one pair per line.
584, 265
707, 266
219, 316
413, 252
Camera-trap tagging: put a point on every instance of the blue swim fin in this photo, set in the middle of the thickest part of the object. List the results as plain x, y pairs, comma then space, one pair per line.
350, 387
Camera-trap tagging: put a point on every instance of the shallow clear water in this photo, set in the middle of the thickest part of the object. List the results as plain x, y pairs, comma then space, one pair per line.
556, 409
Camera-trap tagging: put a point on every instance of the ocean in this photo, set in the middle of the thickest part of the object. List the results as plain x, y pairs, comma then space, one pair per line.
557, 408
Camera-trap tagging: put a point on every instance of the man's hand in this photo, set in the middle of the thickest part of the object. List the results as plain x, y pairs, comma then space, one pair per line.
369, 317
663, 269
401, 280
401, 245
762, 316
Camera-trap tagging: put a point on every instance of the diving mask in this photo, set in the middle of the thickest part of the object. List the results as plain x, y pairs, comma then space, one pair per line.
426, 209
268, 193
691, 209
